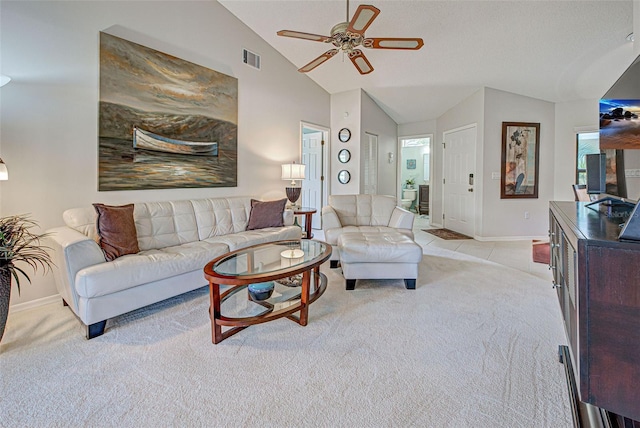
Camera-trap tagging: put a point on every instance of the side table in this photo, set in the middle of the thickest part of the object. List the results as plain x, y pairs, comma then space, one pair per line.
308, 213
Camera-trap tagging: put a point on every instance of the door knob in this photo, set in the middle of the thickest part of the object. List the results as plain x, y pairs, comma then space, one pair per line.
469, 190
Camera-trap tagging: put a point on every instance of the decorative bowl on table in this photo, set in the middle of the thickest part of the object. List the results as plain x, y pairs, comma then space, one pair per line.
260, 290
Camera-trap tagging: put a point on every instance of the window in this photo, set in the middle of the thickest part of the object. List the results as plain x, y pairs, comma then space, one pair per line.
587, 143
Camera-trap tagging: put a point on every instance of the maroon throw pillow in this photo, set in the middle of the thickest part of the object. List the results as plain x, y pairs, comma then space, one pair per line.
117, 230
266, 214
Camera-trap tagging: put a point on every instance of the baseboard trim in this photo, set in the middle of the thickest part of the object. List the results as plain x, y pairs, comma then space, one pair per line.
35, 303
511, 238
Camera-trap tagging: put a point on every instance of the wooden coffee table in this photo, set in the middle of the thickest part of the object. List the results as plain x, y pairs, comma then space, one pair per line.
264, 263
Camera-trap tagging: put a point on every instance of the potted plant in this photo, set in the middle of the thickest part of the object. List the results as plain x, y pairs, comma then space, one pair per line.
410, 182
18, 244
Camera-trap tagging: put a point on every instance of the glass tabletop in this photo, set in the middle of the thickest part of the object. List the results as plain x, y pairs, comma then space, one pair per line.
270, 258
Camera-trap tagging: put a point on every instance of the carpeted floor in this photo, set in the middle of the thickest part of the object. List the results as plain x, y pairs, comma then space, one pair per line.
473, 346
446, 234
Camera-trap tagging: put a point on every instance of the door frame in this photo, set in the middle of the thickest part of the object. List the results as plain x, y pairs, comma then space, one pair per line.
477, 176
399, 161
326, 137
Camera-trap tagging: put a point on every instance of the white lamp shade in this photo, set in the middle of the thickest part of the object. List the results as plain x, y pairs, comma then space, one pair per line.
4, 79
293, 171
4, 173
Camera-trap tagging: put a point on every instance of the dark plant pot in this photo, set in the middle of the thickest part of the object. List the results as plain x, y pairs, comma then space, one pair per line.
5, 295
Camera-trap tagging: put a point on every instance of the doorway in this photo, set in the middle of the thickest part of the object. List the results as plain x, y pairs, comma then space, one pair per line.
415, 172
313, 154
369, 155
459, 179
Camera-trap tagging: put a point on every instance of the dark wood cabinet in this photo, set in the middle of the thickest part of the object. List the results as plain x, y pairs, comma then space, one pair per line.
597, 279
423, 199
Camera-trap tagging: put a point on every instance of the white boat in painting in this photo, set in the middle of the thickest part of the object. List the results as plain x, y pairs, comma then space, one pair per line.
149, 141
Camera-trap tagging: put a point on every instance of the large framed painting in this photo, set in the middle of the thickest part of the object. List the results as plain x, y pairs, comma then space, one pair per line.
163, 122
520, 155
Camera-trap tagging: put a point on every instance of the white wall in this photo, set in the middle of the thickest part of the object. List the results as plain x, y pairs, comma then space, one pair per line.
505, 217
345, 113
571, 117
417, 128
376, 121
470, 111
49, 116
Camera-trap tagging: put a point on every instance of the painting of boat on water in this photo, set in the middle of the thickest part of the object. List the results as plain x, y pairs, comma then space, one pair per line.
163, 122
149, 141
619, 124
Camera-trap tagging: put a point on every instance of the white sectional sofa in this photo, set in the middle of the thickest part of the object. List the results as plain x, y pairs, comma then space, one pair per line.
176, 239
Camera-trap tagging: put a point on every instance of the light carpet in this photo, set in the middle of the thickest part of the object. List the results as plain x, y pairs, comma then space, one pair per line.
473, 346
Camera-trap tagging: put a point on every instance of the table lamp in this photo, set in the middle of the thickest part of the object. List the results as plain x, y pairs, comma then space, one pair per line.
4, 173
293, 172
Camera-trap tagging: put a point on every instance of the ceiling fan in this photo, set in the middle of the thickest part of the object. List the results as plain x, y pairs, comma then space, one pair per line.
347, 36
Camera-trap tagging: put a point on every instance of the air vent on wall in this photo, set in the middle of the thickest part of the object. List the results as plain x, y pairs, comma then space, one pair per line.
251, 59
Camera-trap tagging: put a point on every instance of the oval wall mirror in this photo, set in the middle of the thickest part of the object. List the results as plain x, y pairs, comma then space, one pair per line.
344, 155
344, 135
344, 176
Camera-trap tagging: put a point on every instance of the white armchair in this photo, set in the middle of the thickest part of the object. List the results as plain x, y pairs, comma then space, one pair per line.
362, 213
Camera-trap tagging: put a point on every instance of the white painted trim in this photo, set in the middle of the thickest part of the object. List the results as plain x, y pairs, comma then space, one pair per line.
435, 224
475, 162
585, 129
36, 303
326, 162
511, 238
399, 163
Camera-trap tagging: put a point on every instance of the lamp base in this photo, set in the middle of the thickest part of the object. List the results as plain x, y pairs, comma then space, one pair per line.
293, 193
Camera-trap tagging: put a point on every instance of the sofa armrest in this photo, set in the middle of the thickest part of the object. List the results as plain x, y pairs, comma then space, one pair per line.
401, 219
288, 217
330, 218
71, 252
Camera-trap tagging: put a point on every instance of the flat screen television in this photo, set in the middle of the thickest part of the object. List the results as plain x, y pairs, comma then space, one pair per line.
620, 134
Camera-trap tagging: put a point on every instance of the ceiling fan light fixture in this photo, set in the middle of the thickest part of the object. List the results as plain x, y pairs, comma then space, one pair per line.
347, 36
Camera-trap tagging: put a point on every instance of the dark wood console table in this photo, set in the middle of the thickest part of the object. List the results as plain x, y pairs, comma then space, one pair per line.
597, 279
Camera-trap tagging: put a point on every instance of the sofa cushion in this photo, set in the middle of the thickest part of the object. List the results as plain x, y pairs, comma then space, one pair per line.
363, 210
331, 236
165, 224
266, 214
248, 238
116, 230
221, 216
146, 266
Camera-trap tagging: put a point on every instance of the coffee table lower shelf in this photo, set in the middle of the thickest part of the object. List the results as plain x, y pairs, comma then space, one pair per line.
297, 302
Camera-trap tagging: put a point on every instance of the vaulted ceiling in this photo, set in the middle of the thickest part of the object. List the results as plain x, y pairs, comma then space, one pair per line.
551, 50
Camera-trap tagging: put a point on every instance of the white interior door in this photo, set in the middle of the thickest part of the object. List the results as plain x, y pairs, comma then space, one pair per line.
459, 180
369, 155
312, 157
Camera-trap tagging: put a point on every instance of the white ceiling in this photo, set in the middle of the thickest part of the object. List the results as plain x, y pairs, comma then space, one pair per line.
550, 50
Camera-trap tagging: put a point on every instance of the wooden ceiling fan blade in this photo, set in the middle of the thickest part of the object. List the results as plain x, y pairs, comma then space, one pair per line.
304, 36
316, 62
393, 43
360, 61
364, 16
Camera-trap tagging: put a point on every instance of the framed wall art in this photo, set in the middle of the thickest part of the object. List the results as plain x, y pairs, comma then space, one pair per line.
520, 155
163, 122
